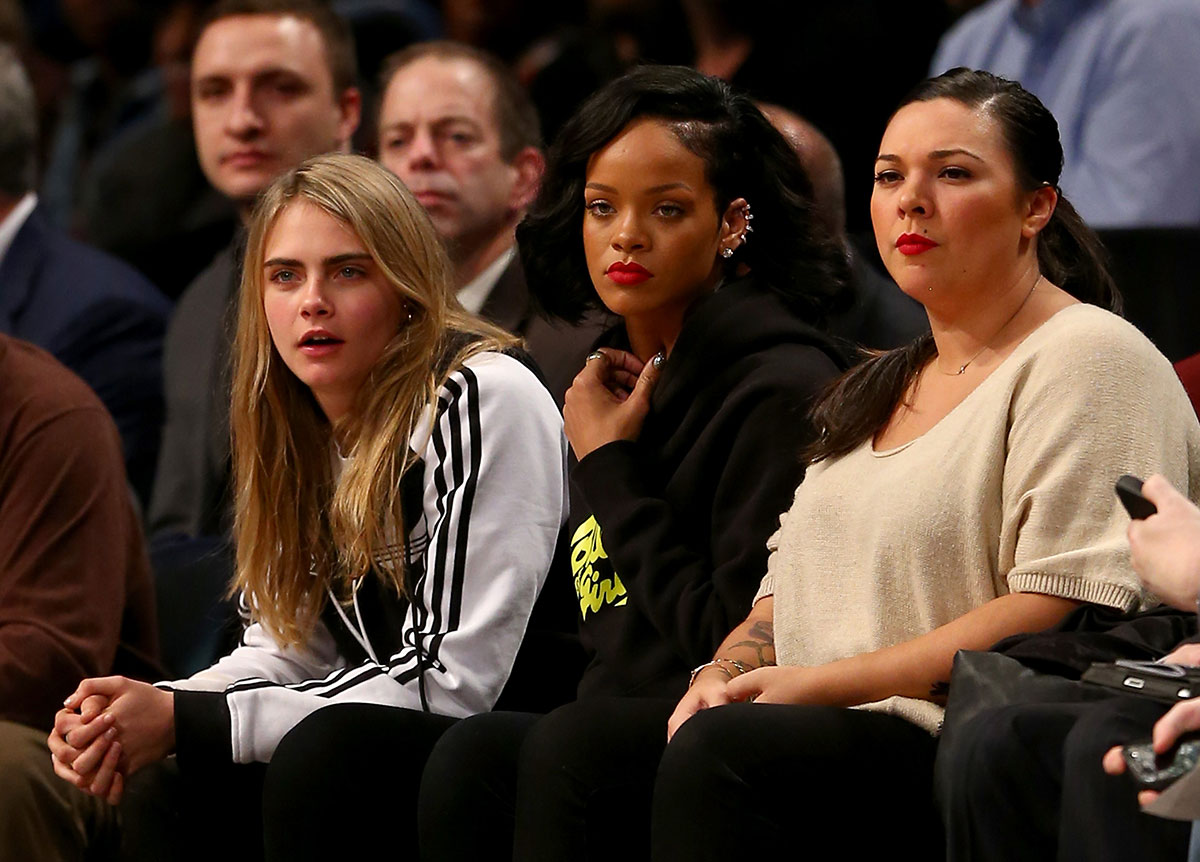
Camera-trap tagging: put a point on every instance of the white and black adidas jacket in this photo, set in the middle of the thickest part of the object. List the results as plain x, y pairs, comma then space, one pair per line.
492, 492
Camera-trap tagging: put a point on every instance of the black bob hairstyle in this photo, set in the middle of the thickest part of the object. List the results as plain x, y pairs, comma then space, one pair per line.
744, 156
859, 404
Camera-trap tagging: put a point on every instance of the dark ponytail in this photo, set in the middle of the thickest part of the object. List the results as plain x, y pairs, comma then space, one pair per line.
859, 404
1072, 256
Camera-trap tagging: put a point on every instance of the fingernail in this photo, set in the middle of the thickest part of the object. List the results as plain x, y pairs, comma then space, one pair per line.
110, 733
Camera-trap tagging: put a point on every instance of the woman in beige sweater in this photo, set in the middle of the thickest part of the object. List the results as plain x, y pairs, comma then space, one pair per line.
962, 492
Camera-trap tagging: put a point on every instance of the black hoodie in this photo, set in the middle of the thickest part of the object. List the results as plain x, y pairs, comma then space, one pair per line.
683, 513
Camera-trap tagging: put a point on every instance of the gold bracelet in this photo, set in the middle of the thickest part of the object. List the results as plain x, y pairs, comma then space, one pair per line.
718, 663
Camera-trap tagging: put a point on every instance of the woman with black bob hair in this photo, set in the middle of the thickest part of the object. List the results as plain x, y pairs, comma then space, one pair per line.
744, 157
670, 201
961, 492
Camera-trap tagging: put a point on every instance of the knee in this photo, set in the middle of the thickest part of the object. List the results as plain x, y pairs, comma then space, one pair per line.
24, 765
478, 755
976, 756
589, 741
299, 773
560, 736
697, 747
1100, 728
36, 805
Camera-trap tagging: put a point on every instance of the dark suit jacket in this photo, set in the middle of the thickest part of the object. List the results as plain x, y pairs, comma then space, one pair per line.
191, 489
558, 348
100, 318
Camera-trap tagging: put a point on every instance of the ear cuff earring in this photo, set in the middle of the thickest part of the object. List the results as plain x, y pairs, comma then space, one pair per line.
749, 217
742, 238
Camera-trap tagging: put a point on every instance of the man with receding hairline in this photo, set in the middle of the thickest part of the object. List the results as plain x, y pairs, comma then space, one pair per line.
462, 134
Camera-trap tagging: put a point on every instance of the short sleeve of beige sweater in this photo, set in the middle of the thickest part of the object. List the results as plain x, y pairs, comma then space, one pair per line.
1010, 492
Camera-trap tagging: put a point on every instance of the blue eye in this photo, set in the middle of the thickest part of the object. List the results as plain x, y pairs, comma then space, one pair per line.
350, 272
283, 276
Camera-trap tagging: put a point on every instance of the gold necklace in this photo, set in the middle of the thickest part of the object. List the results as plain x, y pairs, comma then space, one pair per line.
937, 358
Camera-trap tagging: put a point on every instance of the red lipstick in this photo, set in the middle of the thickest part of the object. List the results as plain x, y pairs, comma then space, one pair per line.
628, 272
914, 243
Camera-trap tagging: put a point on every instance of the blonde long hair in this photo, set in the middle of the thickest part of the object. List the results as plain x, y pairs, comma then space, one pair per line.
298, 530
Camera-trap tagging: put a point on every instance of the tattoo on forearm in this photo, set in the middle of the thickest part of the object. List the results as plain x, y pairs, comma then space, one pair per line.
762, 641
763, 630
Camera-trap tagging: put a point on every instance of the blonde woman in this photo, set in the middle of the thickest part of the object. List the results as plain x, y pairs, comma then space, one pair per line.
400, 486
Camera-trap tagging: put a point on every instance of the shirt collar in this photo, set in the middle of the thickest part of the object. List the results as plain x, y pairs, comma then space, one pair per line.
474, 293
1048, 16
14, 221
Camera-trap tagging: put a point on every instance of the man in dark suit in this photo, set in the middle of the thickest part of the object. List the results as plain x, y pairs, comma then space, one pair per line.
460, 131
272, 85
98, 316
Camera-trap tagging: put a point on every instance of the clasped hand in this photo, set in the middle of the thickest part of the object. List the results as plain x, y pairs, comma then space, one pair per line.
109, 728
608, 400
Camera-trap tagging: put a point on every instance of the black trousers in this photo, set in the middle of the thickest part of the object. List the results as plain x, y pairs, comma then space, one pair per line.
574, 784
344, 783
196, 813
753, 781
581, 783
341, 784
469, 789
1027, 784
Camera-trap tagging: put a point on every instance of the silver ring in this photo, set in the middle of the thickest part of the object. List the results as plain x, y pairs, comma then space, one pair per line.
595, 354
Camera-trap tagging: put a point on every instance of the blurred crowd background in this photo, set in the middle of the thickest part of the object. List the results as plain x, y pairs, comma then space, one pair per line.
118, 163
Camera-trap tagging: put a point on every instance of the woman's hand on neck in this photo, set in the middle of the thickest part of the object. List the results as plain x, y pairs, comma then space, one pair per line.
650, 335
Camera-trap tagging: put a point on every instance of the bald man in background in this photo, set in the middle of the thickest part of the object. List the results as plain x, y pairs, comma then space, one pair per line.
882, 316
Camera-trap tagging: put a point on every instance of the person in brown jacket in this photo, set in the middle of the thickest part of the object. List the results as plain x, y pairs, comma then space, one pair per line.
76, 597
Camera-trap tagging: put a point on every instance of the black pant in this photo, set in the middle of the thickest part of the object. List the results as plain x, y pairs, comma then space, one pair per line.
580, 784
469, 789
201, 811
767, 781
344, 782
575, 784
1027, 784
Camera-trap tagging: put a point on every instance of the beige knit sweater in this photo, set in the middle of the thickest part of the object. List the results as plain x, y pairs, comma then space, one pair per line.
1010, 492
